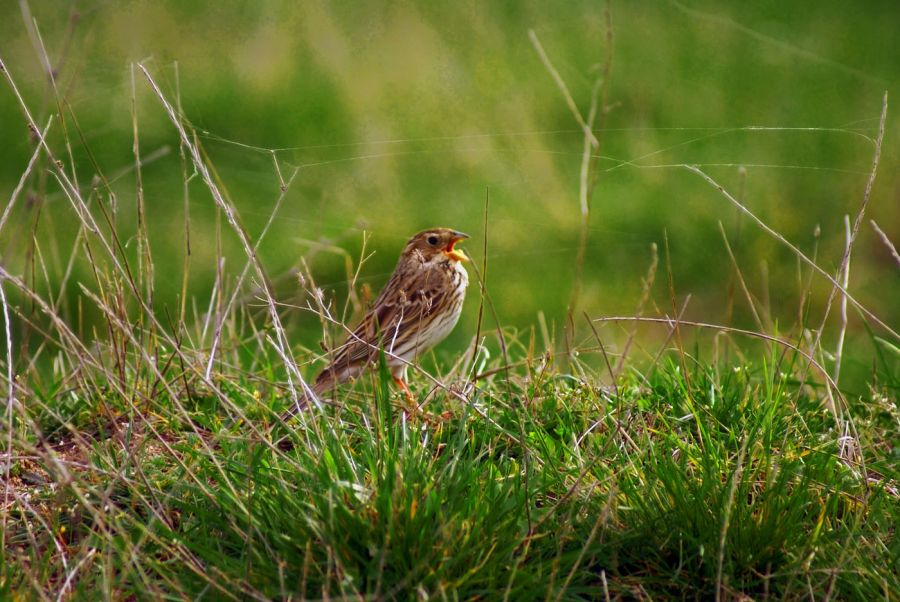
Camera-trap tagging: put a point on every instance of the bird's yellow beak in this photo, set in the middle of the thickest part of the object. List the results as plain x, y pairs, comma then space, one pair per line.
456, 254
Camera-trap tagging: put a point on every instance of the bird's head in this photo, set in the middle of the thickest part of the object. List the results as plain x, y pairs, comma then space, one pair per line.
433, 242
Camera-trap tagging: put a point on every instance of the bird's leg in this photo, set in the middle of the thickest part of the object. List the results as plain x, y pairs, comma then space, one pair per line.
412, 406
410, 399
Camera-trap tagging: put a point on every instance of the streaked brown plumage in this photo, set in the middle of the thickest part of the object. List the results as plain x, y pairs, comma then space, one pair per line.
417, 308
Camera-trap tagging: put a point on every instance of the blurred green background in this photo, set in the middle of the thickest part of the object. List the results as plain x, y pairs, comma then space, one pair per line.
402, 115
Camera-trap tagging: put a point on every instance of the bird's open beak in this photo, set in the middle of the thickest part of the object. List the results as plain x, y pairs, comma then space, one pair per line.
456, 254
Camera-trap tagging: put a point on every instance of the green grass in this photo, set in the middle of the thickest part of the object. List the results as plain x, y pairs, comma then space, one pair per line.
158, 315
542, 486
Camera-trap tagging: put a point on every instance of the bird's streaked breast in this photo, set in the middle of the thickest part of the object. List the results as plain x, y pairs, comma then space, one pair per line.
418, 334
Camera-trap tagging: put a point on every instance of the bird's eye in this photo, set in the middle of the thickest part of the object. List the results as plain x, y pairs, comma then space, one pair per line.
432, 240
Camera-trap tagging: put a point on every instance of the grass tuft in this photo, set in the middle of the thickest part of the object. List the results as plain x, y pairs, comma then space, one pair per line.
144, 457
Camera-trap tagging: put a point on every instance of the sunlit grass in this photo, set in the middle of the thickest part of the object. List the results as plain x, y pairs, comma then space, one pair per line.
542, 486
587, 433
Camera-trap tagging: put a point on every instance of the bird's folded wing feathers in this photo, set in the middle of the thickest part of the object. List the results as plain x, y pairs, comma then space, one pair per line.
393, 308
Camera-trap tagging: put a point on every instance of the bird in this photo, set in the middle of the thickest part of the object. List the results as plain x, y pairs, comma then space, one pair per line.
417, 308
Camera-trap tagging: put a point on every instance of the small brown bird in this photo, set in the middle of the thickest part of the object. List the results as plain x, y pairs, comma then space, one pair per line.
415, 311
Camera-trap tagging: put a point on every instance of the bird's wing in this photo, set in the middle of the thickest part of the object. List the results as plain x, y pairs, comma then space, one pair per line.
408, 298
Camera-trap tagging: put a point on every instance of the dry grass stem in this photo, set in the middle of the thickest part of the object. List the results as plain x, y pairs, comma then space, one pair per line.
845, 280
563, 88
750, 333
10, 403
646, 286
848, 247
794, 249
590, 155
887, 242
740, 277
230, 214
726, 519
24, 177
